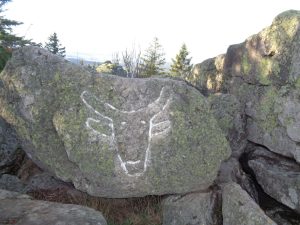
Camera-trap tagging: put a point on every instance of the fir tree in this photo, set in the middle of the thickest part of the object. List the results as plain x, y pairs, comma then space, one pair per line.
8, 41
153, 60
181, 65
53, 45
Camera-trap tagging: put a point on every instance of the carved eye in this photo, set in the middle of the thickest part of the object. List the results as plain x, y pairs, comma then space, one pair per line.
143, 122
99, 127
161, 127
123, 123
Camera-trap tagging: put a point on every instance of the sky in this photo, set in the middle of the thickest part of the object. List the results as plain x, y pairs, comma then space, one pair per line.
96, 29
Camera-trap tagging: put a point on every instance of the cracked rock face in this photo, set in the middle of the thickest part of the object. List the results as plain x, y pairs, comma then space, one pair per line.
21, 210
118, 137
193, 209
238, 208
263, 75
10, 151
111, 136
279, 177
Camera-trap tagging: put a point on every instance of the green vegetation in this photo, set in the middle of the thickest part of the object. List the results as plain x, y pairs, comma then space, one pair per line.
297, 83
8, 40
111, 68
153, 60
131, 211
53, 45
267, 68
5, 54
246, 66
266, 110
181, 66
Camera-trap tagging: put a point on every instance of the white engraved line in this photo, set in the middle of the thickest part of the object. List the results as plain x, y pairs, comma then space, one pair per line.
132, 111
160, 123
123, 165
147, 155
87, 123
90, 107
111, 125
161, 132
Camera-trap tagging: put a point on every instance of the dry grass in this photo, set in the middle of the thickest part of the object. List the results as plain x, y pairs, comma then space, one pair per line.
131, 211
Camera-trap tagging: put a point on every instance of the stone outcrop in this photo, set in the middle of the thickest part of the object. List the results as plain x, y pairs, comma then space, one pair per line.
117, 137
263, 76
228, 111
111, 136
208, 76
20, 209
194, 208
238, 208
279, 177
10, 152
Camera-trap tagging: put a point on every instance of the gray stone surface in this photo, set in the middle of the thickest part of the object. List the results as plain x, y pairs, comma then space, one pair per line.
20, 210
232, 172
263, 73
11, 183
273, 120
81, 127
208, 76
279, 177
10, 151
5, 194
238, 208
230, 116
196, 208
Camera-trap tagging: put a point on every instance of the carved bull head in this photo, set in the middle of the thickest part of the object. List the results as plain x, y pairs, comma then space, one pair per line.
131, 132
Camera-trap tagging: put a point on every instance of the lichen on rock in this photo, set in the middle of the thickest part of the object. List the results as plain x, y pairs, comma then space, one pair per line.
112, 136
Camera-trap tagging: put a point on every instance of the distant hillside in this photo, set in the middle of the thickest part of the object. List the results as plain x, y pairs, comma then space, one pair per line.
82, 61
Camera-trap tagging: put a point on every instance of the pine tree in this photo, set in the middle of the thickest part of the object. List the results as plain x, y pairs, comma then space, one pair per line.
8, 41
181, 66
153, 60
53, 45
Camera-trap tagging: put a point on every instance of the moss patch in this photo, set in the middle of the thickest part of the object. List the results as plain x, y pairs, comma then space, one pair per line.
268, 69
266, 110
246, 66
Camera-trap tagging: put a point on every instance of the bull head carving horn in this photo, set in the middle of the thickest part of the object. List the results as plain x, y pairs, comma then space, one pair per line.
140, 125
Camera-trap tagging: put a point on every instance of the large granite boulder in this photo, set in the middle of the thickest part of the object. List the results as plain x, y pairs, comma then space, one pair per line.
279, 177
265, 77
274, 120
270, 57
238, 208
194, 208
208, 76
19, 209
230, 116
111, 136
263, 73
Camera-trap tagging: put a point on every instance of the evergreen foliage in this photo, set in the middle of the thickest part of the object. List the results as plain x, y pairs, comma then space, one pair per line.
153, 60
5, 54
53, 45
111, 68
181, 65
8, 41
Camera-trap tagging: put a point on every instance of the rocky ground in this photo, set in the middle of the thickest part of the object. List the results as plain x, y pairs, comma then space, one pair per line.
222, 151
